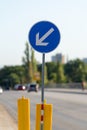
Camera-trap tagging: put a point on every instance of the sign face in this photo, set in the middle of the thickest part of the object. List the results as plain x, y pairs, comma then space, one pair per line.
44, 36
37, 76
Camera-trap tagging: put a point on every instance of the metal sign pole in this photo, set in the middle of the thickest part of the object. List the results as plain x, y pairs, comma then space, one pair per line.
43, 64
42, 93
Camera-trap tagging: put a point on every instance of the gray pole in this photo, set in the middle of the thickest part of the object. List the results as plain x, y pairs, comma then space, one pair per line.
43, 64
42, 92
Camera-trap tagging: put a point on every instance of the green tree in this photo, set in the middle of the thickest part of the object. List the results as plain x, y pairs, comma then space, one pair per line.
33, 63
14, 79
60, 73
29, 63
51, 70
75, 71
53, 77
10, 75
26, 63
45, 75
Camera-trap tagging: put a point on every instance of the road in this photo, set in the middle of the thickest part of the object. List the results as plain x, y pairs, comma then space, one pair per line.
69, 109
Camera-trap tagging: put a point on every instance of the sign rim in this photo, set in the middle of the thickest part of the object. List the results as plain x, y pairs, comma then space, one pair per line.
44, 21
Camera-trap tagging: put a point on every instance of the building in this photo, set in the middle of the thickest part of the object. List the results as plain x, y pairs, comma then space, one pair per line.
58, 58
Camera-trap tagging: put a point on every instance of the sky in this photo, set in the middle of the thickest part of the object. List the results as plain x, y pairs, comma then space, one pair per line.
17, 17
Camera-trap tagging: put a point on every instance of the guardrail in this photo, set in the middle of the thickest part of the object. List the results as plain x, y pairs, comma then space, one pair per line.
67, 85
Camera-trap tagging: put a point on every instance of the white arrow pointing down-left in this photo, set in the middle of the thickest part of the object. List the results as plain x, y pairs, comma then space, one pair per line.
39, 41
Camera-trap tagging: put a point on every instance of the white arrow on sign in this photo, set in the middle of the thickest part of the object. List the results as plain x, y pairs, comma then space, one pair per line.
39, 41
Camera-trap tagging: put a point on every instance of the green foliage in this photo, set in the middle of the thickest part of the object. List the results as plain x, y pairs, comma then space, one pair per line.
39, 68
75, 71
53, 77
45, 75
29, 63
33, 61
26, 63
14, 79
51, 68
60, 78
55, 72
10, 75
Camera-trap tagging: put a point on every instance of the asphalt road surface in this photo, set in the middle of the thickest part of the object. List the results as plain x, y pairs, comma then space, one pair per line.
69, 109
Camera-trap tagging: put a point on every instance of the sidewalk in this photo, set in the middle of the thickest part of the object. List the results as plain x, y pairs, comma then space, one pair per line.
6, 121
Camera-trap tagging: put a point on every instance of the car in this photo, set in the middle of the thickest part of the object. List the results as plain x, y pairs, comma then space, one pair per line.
1, 90
33, 87
19, 87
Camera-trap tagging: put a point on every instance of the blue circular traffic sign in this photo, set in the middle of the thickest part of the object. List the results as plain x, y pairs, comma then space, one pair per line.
44, 36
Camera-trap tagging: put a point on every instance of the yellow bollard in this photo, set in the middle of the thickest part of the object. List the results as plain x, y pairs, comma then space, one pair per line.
47, 117
23, 114
45, 101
